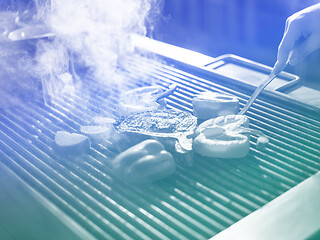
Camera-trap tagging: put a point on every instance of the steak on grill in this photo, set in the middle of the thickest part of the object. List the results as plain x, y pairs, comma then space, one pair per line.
166, 123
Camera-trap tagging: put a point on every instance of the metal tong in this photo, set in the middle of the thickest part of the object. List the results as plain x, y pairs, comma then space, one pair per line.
256, 93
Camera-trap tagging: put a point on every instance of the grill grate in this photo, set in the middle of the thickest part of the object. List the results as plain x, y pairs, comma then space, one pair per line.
195, 203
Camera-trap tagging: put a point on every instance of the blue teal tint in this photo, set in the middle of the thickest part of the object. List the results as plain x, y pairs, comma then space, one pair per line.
249, 28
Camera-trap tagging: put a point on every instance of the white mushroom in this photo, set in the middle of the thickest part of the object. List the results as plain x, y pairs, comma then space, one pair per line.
97, 133
208, 105
71, 143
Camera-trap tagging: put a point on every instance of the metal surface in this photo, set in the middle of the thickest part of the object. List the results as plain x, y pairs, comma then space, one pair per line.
195, 203
26, 214
294, 215
252, 72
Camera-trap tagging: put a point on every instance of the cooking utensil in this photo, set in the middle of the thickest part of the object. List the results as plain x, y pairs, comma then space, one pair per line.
256, 93
30, 32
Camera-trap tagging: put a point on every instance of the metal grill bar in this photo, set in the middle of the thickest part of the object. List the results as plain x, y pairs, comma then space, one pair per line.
33, 113
196, 203
292, 131
116, 208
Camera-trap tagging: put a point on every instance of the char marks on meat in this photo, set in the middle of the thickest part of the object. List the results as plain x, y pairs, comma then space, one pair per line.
158, 121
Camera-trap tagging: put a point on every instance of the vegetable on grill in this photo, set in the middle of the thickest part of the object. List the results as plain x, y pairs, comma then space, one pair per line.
145, 162
226, 137
71, 143
208, 105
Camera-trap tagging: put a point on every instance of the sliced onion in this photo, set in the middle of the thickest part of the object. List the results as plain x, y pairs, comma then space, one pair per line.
226, 137
215, 142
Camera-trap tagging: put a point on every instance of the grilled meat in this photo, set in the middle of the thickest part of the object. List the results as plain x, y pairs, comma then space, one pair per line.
167, 121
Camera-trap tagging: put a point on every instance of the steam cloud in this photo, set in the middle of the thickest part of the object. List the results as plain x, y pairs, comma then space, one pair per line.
92, 35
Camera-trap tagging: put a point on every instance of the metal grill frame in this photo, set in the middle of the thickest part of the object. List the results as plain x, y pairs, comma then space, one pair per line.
83, 190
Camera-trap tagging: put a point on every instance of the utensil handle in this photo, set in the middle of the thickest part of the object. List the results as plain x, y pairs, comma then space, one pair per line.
257, 92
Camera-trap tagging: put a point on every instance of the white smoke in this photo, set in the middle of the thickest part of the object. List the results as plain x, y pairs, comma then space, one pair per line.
87, 38
93, 35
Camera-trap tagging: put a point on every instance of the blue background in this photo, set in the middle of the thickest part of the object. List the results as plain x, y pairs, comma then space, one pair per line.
249, 28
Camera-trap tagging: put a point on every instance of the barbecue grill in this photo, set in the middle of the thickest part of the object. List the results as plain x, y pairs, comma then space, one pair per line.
195, 203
